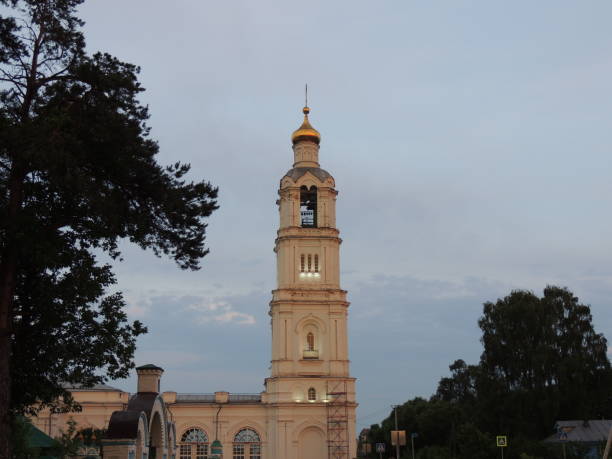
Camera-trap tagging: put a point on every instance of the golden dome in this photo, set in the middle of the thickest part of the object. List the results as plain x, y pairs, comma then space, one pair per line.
306, 131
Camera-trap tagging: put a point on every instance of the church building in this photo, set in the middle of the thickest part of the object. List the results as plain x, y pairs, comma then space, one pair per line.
307, 410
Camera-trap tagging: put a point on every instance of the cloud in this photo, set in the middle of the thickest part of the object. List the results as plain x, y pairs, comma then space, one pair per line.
201, 309
221, 311
136, 310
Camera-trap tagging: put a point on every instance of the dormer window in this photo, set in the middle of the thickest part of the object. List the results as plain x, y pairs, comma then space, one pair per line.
308, 206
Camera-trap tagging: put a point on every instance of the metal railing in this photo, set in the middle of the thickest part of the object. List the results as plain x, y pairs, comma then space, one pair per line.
210, 398
310, 354
245, 397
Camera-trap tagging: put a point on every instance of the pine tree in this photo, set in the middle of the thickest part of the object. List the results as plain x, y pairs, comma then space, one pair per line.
78, 174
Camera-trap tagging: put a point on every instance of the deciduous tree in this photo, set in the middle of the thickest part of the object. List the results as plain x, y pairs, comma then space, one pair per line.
543, 360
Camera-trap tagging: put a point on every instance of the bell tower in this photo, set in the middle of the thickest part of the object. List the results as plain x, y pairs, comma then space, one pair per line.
310, 362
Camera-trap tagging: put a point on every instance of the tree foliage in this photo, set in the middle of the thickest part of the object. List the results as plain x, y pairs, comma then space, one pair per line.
542, 361
78, 174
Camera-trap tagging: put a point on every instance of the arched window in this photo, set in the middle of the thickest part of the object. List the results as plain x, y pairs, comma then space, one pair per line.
310, 342
308, 206
316, 263
303, 263
312, 394
309, 263
247, 445
194, 444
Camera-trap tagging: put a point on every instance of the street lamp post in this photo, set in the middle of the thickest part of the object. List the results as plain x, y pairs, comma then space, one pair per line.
397, 446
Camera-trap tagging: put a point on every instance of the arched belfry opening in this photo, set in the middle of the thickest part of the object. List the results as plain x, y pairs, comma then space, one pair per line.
308, 206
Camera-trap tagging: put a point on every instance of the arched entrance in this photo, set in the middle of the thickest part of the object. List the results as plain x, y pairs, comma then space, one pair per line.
312, 444
156, 449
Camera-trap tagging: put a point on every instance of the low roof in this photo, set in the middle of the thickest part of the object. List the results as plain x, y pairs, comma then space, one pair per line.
297, 172
38, 439
143, 401
123, 424
95, 387
581, 431
149, 366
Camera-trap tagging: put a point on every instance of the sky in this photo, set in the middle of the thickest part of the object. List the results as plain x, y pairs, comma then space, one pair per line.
471, 146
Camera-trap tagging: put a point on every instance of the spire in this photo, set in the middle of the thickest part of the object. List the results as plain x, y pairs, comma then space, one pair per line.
306, 131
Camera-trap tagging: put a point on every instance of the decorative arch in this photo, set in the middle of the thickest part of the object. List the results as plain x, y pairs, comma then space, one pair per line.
309, 423
311, 331
310, 318
194, 435
157, 433
308, 182
157, 428
142, 436
312, 443
245, 423
171, 429
247, 435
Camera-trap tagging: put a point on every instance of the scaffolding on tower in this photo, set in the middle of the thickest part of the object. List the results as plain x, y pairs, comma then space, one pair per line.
337, 420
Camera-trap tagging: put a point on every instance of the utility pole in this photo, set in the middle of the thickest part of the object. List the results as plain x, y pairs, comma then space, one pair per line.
397, 446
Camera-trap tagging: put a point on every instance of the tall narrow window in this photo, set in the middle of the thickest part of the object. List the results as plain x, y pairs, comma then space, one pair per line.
302, 263
312, 394
309, 263
308, 206
310, 342
316, 263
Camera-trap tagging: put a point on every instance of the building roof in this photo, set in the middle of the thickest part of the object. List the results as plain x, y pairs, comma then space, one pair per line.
95, 387
143, 401
297, 172
123, 424
581, 431
38, 439
306, 131
149, 366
